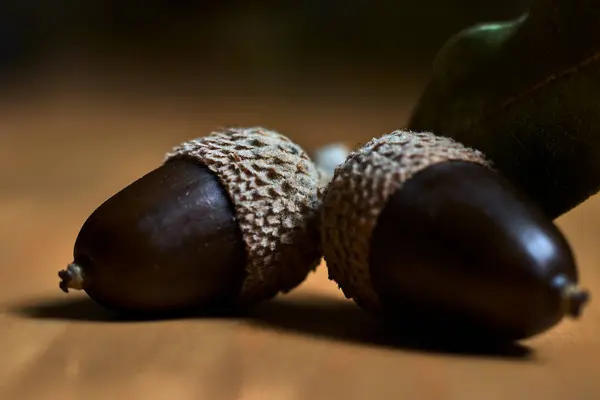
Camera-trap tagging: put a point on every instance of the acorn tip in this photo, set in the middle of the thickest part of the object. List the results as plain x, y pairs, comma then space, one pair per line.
576, 300
71, 278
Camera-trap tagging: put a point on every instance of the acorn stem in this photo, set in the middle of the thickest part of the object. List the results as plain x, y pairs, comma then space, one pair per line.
71, 278
574, 300
328, 157
573, 297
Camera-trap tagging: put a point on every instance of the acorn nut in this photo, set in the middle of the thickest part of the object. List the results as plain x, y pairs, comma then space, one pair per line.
421, 230
228, 219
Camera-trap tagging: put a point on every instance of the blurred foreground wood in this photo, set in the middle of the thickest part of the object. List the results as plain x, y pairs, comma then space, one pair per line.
62, 154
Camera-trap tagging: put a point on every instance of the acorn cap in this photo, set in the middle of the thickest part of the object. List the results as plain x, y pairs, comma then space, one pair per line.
275, 189
359, 191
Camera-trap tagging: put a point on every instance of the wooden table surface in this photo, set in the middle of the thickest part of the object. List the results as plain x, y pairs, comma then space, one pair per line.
62, 154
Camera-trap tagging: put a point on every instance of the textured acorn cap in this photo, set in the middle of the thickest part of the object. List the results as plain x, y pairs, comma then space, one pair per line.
359, 191
275, 189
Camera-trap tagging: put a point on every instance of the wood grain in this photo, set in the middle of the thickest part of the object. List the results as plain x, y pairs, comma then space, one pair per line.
62, 153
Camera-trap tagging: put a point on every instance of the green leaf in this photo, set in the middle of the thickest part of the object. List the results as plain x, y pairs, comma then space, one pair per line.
526, 93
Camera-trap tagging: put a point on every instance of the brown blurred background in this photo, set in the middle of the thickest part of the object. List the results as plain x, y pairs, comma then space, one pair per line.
343, 56
250, 46
254, 38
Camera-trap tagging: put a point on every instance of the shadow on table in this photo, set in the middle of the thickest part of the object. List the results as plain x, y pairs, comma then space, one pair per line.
314, 315
86, 310
340, 319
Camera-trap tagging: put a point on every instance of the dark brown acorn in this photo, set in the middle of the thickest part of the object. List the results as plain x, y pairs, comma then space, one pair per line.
419, 228
228, 219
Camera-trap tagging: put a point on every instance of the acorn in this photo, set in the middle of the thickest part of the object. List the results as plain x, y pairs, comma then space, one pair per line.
230, 219
421, 230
